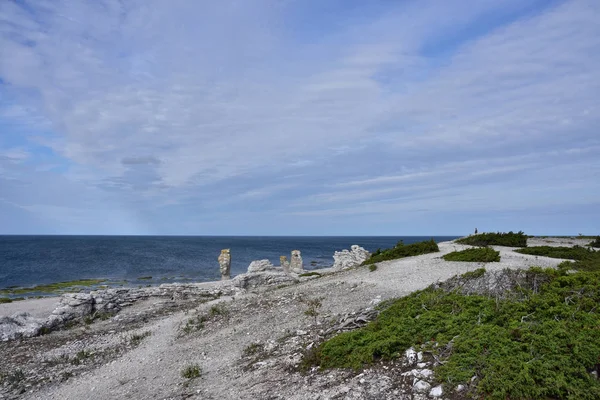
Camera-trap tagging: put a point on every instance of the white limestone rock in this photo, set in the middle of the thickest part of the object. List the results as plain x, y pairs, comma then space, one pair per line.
296, 263
264, 278
437, 391
411, 356
350, 258
421, 386
260, 266
225, 264
19, 326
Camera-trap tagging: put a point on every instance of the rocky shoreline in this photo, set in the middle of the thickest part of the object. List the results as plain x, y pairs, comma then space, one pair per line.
247, 336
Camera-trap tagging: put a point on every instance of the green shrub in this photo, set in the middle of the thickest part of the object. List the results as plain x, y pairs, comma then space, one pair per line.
218, 309
401, 250
191, 371
4, 300
509, 239
372, 267
541, 346
480, 254
596, 242
585, 259
479, 272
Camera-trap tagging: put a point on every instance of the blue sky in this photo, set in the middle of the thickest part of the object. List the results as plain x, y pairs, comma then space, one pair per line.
299, 117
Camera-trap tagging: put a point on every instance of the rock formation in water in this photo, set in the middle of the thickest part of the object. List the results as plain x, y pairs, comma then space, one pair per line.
225, 264
350, 258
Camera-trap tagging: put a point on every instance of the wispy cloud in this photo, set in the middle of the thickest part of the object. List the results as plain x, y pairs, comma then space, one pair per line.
267, 109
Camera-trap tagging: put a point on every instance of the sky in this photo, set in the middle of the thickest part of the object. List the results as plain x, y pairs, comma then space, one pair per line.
299, 117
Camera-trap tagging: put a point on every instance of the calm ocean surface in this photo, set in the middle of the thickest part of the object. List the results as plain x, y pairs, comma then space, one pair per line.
31, 260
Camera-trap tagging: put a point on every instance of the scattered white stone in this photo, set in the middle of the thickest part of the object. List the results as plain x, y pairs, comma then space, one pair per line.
436, 391
421, 386
411, 356
460, 388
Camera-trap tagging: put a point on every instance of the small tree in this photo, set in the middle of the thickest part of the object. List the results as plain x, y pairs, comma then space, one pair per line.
313, 306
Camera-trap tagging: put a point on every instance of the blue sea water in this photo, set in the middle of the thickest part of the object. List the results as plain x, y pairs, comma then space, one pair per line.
32, 260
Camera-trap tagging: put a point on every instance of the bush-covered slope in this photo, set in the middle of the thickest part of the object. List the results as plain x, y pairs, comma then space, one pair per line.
509, 239
541, 343
401, 250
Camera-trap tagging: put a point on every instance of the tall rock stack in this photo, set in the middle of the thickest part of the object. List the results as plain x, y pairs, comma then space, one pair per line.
225, 264
285, 264
296, 264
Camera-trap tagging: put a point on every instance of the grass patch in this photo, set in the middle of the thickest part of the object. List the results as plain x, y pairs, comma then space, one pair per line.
401, 250
310, 274
480, 254
509, 239
137, 338
218, 309
194, 324
253, 349
191, 371
81, 356
13, 378
372, 267
542, 345
144, 278
59, 287
4, 300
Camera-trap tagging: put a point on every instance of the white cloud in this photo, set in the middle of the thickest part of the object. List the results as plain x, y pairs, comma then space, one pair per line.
156, 102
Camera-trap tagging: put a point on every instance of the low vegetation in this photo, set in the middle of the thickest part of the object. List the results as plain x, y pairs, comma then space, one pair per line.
585, 259
596, 242
402, 250
509, 239
480, 254
218, 309
12, 379
312, 273
137, 338
312, 308
191, 371
52, 288
543, 343
372, 267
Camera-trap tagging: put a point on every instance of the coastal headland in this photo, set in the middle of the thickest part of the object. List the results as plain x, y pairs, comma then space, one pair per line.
251, 337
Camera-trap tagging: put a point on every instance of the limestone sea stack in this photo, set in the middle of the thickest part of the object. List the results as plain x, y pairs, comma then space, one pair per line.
285, 264
296, 264
225, 264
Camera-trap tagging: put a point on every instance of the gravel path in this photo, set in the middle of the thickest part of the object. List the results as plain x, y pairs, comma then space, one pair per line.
153, 369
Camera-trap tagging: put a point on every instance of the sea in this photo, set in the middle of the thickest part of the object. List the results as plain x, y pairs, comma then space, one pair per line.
26, 261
